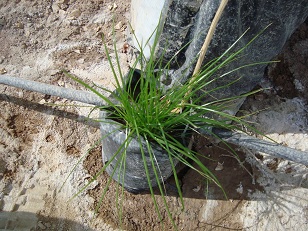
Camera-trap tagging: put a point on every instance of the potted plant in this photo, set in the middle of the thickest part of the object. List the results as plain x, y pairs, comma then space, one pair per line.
145, 126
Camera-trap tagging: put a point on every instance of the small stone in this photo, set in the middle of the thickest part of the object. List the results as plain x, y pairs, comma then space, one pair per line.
74, 14
55, 8
240, 188
61, 83
219, 167
2, 58
118, 26
115, 6
3, 71
20, 94
123, 28
110, 7
24, 46
19, 25
63, 6
27, 33
97, 29
42, 101
125, 48
77, 51
41, 225
298, 85
197, 189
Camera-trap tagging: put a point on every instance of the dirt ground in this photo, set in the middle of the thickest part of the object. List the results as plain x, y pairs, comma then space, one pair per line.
41, 143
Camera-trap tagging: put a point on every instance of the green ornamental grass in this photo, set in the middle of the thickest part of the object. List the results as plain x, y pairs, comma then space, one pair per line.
154, 116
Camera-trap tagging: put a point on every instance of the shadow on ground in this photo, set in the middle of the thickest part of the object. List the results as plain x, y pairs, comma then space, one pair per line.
31, 221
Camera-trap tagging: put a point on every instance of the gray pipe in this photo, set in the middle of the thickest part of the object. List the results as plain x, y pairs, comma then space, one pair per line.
76, 95
255, 144
236, 138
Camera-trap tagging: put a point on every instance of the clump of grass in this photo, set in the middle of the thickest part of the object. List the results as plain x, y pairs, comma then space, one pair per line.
151, 115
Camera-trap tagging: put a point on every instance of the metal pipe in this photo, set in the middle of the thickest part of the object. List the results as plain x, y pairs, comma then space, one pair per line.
76, 95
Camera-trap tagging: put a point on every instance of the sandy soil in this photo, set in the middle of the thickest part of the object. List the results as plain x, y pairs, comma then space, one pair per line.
40, 144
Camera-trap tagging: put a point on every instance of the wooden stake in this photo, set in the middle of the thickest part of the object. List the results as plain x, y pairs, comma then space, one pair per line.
209, 36
204, 48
